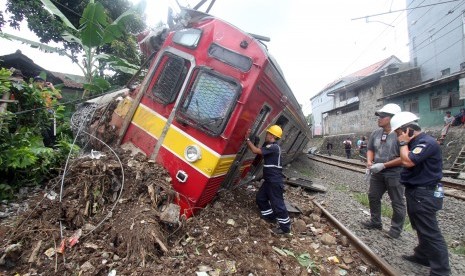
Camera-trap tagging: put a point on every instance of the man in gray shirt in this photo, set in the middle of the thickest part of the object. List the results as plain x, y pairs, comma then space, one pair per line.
384, 163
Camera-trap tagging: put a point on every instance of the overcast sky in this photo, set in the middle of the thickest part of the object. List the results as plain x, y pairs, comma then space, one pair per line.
315, 42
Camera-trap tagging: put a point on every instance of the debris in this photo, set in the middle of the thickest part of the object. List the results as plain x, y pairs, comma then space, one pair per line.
50, 252
35, 252
171, 214
230, 267
51, 195
328, 239
333, 259
95, 154
75, 238
162, 245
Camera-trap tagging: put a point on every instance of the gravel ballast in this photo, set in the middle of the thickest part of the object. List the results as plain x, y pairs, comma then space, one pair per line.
341, 202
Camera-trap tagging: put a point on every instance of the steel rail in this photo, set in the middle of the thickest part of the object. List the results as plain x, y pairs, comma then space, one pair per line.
385, 267
457, 190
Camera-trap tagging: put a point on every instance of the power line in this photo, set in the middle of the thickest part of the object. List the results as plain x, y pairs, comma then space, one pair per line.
404, 9
436, 22
447, 24
442, 51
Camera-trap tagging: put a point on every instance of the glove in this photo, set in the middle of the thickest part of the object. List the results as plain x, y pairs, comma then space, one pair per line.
377, 167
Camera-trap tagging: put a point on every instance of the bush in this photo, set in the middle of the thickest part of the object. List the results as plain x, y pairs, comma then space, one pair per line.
24, 159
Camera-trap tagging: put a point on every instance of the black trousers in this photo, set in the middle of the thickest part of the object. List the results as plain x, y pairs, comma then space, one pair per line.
270, 201
421, 209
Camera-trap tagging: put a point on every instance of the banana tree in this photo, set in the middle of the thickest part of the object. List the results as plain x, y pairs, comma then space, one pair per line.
95, 30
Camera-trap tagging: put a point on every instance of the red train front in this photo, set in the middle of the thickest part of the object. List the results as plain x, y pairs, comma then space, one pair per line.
207, 85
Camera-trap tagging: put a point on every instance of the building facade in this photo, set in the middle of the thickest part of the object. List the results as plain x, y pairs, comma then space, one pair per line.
432, 83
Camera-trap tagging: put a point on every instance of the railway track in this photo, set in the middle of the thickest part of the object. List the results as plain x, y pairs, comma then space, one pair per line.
378, 261
452, 187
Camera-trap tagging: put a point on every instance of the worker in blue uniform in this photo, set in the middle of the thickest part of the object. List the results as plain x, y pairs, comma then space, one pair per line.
269, 198
422, 161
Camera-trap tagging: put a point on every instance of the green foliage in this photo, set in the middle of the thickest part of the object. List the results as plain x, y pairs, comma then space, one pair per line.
304, 259
94, 33
24, 160
98, 86
459, 250
49, 28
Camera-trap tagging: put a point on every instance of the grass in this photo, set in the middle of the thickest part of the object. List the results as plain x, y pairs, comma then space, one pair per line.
342, 188
306, 171
459, 250
386, 209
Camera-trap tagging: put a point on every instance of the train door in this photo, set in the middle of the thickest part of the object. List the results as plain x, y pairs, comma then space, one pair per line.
238, 165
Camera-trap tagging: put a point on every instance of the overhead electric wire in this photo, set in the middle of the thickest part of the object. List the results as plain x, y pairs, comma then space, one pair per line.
443, 50
436, 22
407, 9
425, 45
369, 45
447, 24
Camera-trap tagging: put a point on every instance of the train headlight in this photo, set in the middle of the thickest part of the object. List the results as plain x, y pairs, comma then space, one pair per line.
189, 37
192, 153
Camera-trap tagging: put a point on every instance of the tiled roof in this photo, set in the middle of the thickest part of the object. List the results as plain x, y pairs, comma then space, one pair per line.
29, 69
69, 80
365, 72
373, 68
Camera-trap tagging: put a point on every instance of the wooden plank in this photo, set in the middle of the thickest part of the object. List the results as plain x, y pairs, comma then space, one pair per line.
306, 184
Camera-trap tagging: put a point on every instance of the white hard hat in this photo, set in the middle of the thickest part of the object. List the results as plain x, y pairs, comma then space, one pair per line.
401, 119
389, 108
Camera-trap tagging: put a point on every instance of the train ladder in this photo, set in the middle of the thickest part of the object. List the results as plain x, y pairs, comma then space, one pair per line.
459, 163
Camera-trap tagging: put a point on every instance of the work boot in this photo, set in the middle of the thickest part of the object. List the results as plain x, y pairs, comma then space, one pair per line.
279, 231
370, 225
415, 259
391, 235
269, 220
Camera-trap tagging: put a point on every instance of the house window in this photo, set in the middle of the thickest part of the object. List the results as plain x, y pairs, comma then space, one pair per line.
445, 72
445, 100
411, 105
342, 96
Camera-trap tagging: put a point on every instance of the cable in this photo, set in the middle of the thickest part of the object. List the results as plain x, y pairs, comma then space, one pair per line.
64, 103
436, 22
443, 50
407, 9
121, 189
447, 24
363, 52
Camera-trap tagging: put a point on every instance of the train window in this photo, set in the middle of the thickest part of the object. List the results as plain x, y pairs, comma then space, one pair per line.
282, 121
239, 61
209, 102
170, 79
188, 37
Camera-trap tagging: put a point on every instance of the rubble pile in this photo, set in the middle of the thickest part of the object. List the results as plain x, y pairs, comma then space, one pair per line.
115, 225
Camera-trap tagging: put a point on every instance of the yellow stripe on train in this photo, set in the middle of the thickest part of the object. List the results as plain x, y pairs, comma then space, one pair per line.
211, 164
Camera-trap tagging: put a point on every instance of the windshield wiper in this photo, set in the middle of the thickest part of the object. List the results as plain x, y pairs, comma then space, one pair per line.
208, 122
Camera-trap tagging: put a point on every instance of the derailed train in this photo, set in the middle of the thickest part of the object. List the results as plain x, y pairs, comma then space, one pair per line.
208, 83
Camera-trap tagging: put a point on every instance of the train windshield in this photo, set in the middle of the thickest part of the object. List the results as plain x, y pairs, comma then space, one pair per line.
209, 102
170, 76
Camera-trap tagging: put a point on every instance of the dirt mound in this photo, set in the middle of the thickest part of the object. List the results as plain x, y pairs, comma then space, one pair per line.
103, 207
115, 227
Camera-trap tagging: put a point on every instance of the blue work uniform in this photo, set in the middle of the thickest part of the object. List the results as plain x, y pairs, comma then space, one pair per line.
269, 197
420, 182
